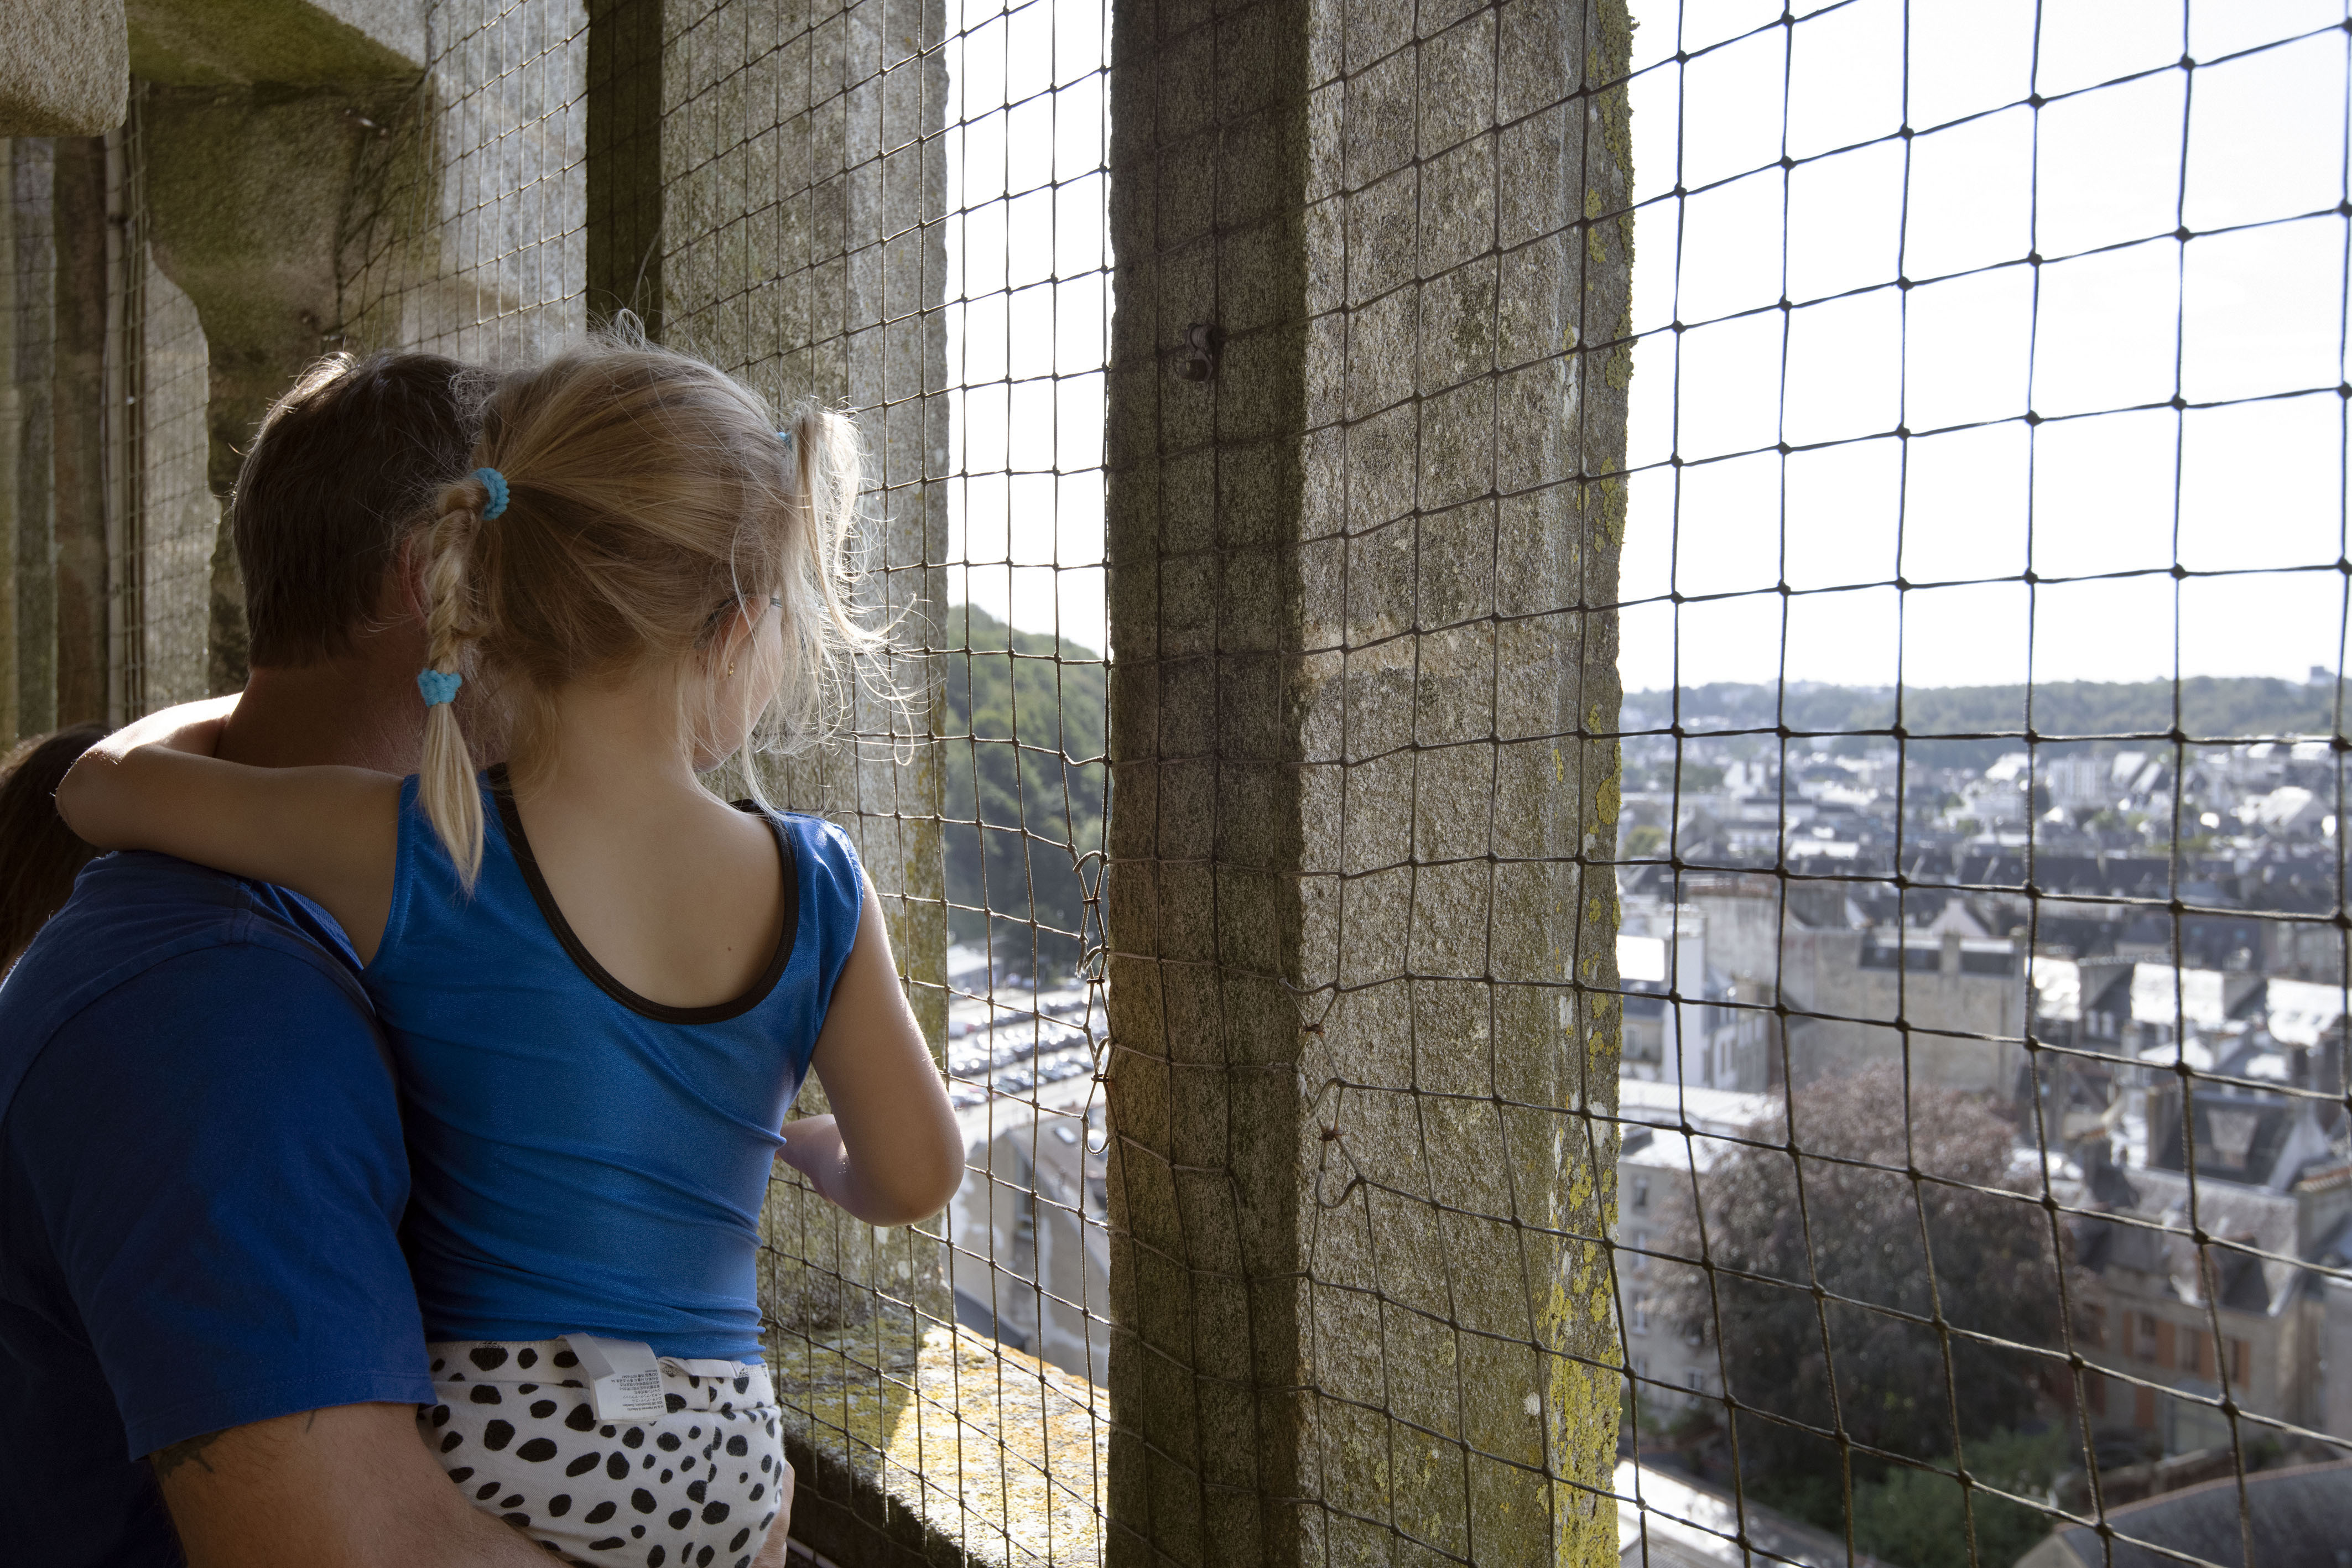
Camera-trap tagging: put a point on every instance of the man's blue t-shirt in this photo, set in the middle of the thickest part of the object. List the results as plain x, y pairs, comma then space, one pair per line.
200, 1189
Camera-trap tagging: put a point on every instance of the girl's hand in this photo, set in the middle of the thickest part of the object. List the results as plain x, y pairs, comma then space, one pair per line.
812, 1147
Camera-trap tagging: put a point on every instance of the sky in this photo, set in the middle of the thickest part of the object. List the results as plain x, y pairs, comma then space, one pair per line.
2242, 153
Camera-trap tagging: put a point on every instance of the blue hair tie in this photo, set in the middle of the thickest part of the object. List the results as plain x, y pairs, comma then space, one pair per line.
440, 686
496, 484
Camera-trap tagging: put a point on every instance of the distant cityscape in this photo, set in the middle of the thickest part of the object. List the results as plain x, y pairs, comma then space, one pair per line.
2134, 906
2163, 917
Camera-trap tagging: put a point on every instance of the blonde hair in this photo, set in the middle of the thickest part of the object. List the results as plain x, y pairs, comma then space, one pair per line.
648, 496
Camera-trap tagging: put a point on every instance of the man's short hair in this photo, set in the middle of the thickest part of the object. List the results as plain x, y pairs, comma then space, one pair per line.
343, 465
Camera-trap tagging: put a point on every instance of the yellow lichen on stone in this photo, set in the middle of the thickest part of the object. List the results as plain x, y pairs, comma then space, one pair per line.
995, 1450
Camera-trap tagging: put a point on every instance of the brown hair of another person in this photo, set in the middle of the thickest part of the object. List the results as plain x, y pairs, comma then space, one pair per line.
344, 463
39, 855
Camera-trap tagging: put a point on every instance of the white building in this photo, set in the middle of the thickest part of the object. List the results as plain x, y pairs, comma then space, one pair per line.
1659, 1170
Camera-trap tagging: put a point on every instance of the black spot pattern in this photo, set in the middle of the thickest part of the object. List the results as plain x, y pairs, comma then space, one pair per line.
660, 1470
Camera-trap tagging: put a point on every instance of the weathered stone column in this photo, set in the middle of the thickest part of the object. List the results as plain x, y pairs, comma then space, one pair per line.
77, 419
624, 161
1363, 804
255, 128
31, 263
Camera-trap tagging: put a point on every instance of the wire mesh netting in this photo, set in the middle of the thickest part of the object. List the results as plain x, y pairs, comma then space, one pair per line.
1984, 1150
1947, 1129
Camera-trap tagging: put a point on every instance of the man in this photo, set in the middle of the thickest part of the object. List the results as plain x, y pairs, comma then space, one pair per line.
205, 1319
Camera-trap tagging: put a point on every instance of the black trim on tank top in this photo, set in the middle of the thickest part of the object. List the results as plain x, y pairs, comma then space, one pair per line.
502, 791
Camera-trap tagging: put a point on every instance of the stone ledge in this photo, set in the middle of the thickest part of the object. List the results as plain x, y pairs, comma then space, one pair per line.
65, 68
941, 1449
222, 43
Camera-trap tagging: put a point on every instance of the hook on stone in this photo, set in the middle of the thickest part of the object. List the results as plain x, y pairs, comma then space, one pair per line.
1198, 362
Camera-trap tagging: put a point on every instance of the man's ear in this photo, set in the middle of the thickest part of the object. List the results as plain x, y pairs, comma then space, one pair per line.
407, 587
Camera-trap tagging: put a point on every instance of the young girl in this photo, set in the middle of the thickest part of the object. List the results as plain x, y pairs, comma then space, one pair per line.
603, 986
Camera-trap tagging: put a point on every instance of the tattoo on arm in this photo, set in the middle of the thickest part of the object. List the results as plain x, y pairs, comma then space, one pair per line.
187, 1451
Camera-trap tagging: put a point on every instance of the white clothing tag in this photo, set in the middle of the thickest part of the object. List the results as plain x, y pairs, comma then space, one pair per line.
624, 1377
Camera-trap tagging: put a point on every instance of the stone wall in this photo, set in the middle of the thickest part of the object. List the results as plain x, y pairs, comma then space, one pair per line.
466, 232
1361, 1175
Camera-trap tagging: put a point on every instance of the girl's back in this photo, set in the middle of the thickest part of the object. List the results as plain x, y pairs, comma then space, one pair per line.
586, 1155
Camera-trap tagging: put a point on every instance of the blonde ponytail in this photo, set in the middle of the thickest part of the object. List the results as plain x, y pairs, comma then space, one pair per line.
445, 785
634, 504
823, 633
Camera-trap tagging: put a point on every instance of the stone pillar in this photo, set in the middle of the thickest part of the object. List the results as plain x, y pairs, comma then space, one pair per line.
31, 264
78, 425
259, 126
247, 192
624, 161
1364, 784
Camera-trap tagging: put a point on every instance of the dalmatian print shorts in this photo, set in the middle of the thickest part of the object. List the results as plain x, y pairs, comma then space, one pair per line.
697, 1487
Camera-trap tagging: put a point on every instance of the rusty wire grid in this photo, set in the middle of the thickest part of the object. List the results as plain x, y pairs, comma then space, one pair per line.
1977, 1165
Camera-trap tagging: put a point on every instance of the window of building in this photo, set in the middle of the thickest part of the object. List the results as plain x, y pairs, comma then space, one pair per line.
1641, 1316
1641, 1261
2240, 1360
1641, 1192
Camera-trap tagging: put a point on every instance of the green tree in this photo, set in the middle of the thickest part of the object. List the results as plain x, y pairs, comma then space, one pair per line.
1920, 1519
1867, 1233
1026, 790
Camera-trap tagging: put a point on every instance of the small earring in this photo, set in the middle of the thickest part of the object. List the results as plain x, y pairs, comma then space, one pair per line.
730, 669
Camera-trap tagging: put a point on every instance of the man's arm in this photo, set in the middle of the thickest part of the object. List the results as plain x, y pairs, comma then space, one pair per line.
349, 1487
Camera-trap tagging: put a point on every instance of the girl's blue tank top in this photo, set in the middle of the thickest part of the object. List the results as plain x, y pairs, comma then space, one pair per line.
584, 1159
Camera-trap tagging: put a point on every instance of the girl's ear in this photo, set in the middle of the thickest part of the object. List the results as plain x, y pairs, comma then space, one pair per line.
733, 643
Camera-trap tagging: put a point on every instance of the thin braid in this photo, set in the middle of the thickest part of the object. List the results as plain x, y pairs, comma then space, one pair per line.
446, 786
